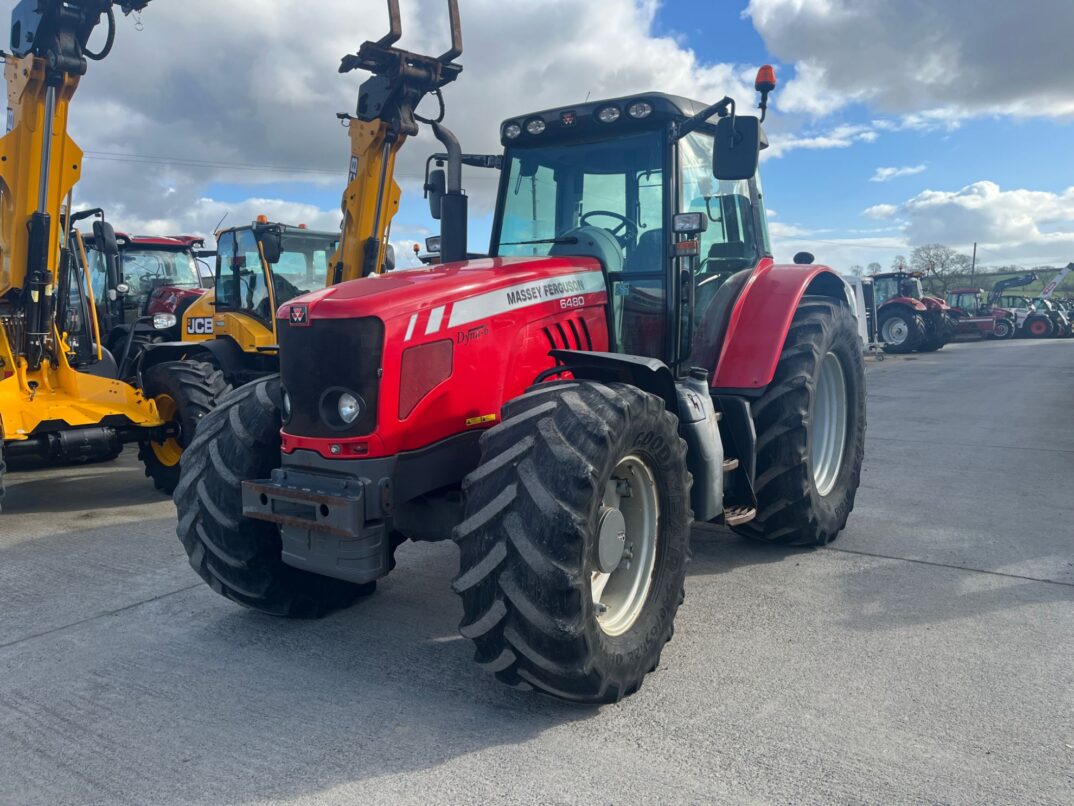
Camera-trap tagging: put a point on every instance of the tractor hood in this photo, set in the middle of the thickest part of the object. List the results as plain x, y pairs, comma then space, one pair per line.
460, 292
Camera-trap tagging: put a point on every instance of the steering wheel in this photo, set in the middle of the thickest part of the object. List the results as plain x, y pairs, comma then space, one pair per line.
627, 231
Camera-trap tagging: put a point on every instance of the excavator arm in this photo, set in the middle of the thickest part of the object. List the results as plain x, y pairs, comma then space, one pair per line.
1010, 282
386, 116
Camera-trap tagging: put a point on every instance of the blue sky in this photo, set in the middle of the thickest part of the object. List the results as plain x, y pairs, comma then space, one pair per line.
971, 113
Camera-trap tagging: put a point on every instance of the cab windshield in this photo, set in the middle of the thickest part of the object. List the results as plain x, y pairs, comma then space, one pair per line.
243, 281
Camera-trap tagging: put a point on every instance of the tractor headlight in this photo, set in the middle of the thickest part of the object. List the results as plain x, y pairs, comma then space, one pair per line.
163, 321
536, 126
511, 131
349, 407
608, 114
640, 109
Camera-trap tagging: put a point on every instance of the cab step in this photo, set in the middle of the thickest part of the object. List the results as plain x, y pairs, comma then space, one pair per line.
736, 516
730, 464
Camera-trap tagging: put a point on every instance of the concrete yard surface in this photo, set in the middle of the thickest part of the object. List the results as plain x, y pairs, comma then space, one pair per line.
927, 656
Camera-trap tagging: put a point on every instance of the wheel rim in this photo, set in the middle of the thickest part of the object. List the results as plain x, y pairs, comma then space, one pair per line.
829, 424
629, 526
896, 331
169, 452
1037, 328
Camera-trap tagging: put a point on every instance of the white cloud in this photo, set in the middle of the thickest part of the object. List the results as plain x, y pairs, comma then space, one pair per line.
1018, 226
887, 174
843, 136
936, 62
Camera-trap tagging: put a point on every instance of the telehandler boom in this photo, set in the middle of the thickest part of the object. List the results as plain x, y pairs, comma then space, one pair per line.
60, 396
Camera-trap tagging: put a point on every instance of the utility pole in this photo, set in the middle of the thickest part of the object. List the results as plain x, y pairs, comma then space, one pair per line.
973, 263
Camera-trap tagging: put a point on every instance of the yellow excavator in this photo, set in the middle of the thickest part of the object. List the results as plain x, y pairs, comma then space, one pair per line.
61, 398
265, 264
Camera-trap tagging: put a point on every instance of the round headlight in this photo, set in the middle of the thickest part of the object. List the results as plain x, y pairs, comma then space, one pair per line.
163, 321
286, 405
512, 131
608, 114
350, 407
640, 109
536, 126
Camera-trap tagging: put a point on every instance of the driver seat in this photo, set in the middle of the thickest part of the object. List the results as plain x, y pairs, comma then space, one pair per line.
648, 254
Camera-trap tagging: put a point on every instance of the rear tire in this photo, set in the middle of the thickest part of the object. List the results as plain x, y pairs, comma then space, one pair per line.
241, 558
901, 324
185, 391
530, 544
791, 508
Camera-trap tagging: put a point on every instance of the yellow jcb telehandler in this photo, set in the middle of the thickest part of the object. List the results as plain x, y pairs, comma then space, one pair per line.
60, 395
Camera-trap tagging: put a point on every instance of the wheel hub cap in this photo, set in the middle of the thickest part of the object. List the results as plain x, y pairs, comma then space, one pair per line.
896, 331
627, 534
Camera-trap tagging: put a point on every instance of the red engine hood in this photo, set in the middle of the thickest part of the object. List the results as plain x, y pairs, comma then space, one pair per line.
487, 286
935, 303
167, 299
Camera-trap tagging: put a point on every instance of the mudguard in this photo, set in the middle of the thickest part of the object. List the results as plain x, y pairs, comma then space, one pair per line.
223, 353
761, 319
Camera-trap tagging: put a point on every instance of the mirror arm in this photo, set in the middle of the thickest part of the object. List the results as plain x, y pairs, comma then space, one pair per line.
693, 123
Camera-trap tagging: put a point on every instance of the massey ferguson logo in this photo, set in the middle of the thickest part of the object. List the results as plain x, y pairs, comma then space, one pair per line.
300, 316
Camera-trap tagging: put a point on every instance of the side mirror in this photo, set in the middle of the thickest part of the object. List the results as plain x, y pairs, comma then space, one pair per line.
389, 258
104, 234
271, 245
804, 258
435, 190
737, 150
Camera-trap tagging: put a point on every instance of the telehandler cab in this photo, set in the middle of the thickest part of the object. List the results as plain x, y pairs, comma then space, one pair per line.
629, 360
60, 396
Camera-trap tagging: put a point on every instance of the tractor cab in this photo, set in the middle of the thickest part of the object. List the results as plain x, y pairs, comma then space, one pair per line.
631, 182
262, 266
897, 284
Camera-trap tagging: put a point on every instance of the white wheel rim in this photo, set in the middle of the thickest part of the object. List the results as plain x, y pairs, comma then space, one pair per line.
896, 331
619, 594
829, 424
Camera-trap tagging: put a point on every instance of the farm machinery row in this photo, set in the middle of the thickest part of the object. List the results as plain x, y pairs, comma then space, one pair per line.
627, 360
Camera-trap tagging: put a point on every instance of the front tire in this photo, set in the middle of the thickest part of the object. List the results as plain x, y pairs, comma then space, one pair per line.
901, 331
184, 391
1039, 327
561, 593
1003, 329
238, 557
810, 430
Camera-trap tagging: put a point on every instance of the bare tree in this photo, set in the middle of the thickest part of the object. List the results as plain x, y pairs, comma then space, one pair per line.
939, 263
856, 270
874, 268
900, 263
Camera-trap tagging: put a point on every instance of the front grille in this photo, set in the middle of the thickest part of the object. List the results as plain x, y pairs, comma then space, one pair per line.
327, 356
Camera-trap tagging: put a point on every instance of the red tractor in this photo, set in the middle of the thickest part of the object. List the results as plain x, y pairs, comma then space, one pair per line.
973, 315
909, 319
628, 360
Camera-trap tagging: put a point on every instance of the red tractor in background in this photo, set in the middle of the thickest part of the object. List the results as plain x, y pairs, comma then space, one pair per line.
628, 360
910, 320
973, 315
141, 296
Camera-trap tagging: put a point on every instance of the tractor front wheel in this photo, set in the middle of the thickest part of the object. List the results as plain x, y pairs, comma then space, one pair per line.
1002, 329
901, 331
810, 430
575, 540
241, 558
184, 391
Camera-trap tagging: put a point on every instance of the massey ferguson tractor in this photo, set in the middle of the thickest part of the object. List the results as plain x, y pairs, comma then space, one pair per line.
629, 360
973, 315
909, 319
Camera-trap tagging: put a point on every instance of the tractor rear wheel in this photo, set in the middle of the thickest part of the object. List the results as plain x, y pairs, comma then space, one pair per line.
241, 558
810, 430
184, 391
575, 540
901, 331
